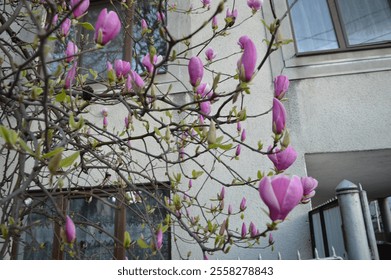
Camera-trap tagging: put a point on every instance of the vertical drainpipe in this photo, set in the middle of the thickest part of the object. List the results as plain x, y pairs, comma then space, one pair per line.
368, 223
385, 213
353, 221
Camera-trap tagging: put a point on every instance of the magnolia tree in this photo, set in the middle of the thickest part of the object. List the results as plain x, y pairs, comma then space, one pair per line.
108, 162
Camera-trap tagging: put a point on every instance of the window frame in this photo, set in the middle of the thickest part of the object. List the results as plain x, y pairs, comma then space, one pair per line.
63, 198
287, 61
340, 34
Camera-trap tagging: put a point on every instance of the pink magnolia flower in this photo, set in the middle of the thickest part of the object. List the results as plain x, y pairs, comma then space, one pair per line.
70, 230
281, 194
281, 85
70, 51
121, 67
65, 27
78, 8
161, 17
204, 90
247, 63
150, 64
190, 183
55, 19
205, 107
229, 209
283, 159
105, 122
279, 116
107, 27
239, 126
232, 13
144, 25
214, 23
206, 3
210, 54
196, 71
159, 239
128, 83
70, 77
253, 230
309, 186
238, 150
243, 136
243, 204
137, 82
222, 193
255, 5
104, 112
244, 230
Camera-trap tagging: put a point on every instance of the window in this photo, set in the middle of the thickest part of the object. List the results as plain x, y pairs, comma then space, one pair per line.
119, 48
340, 25
100, 217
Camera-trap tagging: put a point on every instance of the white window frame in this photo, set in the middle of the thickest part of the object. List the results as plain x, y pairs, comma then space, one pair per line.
286, 61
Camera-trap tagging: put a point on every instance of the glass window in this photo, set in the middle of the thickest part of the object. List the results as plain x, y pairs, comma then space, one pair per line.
312, 25
366, 21
100, 217
340, 25
130, 34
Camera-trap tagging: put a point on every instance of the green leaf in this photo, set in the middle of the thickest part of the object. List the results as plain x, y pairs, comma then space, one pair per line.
87, 25
10, 136
24, 146
93, 73
61, 96
127, 239
142, 244
68, 161
225, 147
195, 174
53, 153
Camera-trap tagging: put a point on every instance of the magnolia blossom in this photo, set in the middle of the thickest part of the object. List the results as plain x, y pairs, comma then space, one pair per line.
222, 193
144, 25
229, 209
104, 112
190, 183
121, 67
232, 13
238, 150
210, 54
70, 77
150, 64
160, 17
243, 136
204, 90
255, 5
279, 116
244, 230
239, 126
78, 8
205, 107
206, 3
159, 239
281, 194
253, 230
70, 51
65, 27
281, 85
214, 23
247, 62
282, 159
243, 204
309, 186
105, 122
107, 27
137, 82
196, 71
70, 230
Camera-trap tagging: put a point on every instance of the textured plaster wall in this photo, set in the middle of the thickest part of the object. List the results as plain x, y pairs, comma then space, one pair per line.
341, 113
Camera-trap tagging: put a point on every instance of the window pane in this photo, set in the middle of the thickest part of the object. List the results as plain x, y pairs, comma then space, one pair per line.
37, 241
89, 216
312, 26
138, 220
366, 21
